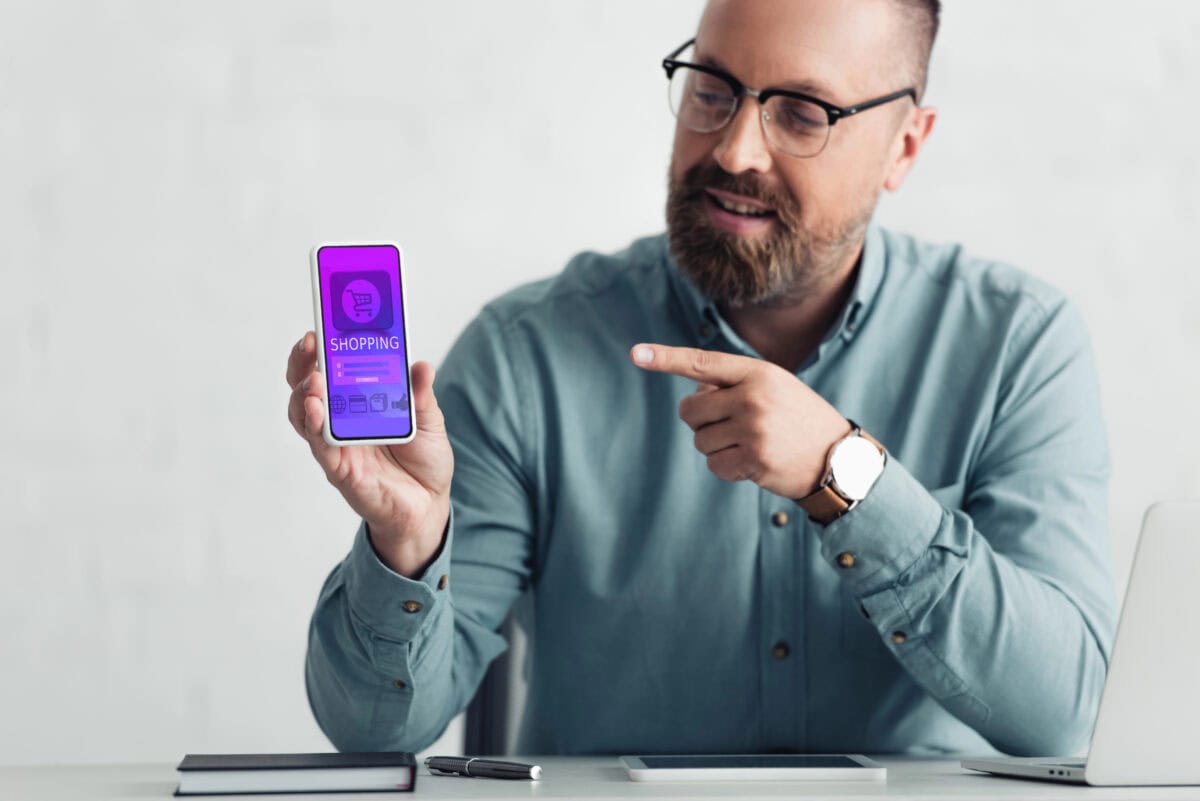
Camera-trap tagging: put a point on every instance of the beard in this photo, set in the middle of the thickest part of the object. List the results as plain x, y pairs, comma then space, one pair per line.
763, 271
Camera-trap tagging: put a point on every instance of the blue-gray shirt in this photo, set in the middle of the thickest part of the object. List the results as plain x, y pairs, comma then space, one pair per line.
675, 612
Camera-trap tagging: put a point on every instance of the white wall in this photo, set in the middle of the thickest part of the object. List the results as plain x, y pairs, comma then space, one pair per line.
164, 168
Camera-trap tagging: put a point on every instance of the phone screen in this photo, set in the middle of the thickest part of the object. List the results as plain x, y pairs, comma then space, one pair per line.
365, 353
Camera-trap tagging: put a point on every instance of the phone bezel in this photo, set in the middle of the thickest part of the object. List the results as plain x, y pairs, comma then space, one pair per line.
319, 320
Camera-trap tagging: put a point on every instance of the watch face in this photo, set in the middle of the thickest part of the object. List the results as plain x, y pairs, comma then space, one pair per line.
856, 465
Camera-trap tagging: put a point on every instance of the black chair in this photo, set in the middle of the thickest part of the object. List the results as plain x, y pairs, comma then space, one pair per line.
500, 699
486, 726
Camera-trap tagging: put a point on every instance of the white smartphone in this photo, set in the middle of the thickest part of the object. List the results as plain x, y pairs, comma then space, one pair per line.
362, 343
754, 767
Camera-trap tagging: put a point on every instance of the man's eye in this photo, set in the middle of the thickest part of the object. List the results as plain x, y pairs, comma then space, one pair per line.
804, 118
711, 98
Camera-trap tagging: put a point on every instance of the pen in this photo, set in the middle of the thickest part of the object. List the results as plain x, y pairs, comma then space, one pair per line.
482, 768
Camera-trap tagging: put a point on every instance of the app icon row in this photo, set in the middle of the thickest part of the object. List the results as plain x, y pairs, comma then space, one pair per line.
376, 403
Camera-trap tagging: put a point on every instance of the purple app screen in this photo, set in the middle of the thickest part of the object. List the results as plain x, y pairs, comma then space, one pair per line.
365, 352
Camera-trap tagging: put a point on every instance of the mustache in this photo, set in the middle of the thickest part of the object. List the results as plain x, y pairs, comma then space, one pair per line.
710, 176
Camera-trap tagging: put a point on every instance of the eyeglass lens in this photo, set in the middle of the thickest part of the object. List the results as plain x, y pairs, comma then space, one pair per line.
705, 103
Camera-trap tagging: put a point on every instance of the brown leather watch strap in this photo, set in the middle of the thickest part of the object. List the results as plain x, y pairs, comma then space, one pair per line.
824, 505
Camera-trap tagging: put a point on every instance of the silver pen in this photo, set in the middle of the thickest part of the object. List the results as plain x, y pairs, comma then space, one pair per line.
482, 768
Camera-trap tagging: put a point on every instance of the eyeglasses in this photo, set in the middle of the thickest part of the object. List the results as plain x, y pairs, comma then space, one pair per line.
705, 99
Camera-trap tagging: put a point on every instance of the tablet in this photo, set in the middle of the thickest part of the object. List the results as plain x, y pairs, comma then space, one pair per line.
754, 767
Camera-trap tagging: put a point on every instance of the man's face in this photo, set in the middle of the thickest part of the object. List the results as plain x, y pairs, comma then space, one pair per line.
752, 225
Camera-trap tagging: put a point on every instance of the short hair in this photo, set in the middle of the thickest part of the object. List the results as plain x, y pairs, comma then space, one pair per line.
923, 18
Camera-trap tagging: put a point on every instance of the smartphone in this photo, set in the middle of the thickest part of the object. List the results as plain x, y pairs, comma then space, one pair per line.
754, 767
362, 343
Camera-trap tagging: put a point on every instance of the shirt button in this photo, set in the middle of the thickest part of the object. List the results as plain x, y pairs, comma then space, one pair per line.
780, 519
780, 650
845, 559
443, 582
899, 637
398, 684
706, 331
412, 606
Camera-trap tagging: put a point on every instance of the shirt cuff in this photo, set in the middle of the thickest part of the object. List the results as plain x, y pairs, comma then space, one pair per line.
881, 537
389, 604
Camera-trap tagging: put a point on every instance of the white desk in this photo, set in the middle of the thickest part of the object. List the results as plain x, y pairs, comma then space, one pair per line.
587, 778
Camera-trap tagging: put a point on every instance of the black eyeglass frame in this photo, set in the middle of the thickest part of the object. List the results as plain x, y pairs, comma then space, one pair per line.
835, 113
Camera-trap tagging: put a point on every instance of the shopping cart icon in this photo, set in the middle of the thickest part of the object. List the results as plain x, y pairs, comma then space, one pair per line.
361, 300
364, 304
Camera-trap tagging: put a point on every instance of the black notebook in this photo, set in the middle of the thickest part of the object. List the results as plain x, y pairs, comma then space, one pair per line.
352, 772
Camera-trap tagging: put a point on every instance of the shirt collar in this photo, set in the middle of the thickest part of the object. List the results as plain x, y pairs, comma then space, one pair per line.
871, 267
706, 323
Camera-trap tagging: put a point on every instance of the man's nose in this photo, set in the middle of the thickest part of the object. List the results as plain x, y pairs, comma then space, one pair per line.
743, 147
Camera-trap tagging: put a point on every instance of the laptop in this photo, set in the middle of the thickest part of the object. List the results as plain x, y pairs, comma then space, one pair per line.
1149, 720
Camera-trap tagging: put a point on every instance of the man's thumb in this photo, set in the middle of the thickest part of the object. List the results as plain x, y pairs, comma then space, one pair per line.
425, 405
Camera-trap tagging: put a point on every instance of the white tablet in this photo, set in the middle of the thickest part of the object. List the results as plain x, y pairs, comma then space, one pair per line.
754, 767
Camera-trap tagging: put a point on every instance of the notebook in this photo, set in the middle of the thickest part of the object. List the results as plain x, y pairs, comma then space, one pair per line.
225, 774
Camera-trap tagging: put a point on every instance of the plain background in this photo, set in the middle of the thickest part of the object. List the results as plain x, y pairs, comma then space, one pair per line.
165, 167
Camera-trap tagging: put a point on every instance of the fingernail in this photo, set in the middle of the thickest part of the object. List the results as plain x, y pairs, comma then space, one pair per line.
643, 355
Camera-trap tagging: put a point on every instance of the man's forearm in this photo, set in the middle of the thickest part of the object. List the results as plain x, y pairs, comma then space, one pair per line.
1013, 651
362, 676
1002, 649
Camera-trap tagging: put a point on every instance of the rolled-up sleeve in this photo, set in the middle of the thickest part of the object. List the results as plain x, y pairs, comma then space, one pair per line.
1002, 606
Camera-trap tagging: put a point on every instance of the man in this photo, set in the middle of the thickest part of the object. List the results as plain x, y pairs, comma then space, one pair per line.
658, 443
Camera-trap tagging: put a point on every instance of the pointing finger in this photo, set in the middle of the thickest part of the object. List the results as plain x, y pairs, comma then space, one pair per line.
705, 366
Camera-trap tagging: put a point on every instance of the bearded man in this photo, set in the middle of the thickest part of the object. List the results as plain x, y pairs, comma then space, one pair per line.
777, 480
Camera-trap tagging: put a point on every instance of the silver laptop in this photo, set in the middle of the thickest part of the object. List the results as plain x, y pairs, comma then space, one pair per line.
1149, 721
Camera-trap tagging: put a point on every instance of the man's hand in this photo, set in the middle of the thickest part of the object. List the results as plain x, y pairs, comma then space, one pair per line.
753, 420
401, 491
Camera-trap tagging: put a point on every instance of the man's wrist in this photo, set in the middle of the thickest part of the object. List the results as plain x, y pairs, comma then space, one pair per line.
855, 463
406, 554
822, 475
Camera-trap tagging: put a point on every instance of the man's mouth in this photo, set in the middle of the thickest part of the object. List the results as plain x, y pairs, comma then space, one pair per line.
736, 204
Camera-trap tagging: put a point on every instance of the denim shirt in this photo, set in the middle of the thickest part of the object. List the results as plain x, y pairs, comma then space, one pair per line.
966, 605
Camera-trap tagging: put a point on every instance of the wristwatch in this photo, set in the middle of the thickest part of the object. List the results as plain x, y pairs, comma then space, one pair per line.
855, 463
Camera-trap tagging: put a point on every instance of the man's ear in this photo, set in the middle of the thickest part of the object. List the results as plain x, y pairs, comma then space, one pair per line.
912, 136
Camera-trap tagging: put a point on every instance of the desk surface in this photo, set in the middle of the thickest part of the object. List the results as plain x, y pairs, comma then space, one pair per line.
589, 778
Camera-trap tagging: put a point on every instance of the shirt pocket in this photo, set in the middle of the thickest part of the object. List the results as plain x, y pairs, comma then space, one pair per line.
859, 636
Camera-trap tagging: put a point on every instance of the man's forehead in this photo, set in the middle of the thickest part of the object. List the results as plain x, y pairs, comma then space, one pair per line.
836, 49
809, 85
